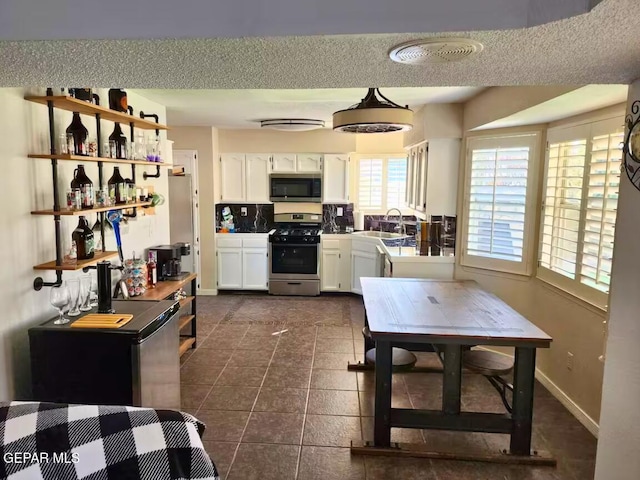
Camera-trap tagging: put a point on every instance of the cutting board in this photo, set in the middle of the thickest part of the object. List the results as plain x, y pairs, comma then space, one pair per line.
103, 320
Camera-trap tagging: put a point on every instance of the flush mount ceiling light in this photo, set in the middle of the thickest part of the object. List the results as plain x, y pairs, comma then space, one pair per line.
373, 115
435, 50
292, 124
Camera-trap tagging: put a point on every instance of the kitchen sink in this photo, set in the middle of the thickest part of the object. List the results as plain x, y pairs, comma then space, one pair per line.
378, 234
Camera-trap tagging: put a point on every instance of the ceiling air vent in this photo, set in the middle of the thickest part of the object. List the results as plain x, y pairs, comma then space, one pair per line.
435, 50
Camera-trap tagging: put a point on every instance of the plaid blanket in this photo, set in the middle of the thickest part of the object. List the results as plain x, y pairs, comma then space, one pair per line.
71, 442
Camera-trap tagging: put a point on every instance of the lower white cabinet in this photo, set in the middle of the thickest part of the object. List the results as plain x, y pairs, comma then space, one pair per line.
366, 261
243, 263
255, 271
229, 268
335, 267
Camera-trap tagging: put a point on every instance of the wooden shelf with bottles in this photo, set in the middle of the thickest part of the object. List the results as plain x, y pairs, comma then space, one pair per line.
79, 265
91, 210
83, 158
71, 104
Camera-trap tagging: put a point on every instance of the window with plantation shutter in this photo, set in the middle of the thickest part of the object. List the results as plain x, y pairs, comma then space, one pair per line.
582, 176
497, 202
382, 183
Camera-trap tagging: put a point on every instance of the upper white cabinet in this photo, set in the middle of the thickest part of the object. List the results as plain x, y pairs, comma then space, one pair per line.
411, 179
442, 176
257, 167
335, 182
232, 173
284, 163
244, 178
297, 163
421, 178
309, 163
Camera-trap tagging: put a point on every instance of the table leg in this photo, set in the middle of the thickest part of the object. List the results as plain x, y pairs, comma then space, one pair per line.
524, 378
194, 286
451, 381
368, 343
382, 418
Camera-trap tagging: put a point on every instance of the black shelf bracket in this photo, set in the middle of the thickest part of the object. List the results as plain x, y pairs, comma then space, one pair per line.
38, 282
143, 115
146, 175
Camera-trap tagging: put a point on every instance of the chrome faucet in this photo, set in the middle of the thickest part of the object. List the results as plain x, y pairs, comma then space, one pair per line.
402, 226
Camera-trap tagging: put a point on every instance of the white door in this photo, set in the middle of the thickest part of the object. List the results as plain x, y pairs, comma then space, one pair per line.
362, 265
330, 270
309, 163
335, 184
255, 268
189, 160
257, 168
232, 177
284, 163
229, 268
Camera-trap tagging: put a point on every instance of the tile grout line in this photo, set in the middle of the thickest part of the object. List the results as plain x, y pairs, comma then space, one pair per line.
306, 406
255, 401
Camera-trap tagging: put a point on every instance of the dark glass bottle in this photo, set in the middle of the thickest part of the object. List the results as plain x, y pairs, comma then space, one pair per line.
121, 141
85, 94
83, 237
117, 187
131, 190
118, 100
85, 185
80, 133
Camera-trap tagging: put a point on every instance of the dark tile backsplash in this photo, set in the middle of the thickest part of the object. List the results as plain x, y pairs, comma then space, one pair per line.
331, 222
378, 222
259, 218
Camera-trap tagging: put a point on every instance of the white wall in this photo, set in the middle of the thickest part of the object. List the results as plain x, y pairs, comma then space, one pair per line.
619, 441
28, 240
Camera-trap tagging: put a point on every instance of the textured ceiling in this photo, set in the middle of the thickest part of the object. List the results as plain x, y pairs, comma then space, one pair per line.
599, 47
76, 19
244, 108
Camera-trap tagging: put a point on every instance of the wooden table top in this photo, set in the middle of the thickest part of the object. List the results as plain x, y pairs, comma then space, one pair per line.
436, 311
165, 288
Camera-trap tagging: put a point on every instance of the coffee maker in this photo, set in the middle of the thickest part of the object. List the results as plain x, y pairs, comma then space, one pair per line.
168, 262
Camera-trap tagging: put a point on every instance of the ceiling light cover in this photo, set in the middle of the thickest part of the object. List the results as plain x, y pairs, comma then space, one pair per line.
292, 124
435, 50
373, 115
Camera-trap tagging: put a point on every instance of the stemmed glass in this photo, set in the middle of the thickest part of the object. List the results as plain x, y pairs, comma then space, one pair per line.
74, 297
59, 298
85, 293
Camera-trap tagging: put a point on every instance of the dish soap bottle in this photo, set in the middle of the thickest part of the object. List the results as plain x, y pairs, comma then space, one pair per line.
83, 238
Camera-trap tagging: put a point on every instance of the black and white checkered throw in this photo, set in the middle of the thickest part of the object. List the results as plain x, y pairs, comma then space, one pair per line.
92, 442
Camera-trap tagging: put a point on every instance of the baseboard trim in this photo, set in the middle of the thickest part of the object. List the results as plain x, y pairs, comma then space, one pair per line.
207, 292
575, 410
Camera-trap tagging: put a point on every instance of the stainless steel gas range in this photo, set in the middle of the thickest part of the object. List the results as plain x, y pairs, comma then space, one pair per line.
294, 253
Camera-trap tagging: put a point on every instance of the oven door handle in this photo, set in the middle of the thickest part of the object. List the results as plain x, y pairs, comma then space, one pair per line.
314, 245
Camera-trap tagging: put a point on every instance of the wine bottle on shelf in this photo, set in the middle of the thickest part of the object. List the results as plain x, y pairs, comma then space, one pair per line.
152, 271
85, 185
84, 240
117, 187
79, 133
85, 94
120, 141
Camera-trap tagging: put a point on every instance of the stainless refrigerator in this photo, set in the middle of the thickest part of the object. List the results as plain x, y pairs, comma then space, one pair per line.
182, 207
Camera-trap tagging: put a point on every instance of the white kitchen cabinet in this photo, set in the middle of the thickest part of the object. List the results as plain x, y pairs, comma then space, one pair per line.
229, 268
362, 265
284, 163
232, 175
422, 165
255, 271
335, 266
242, 259
411, 179
335, 183
442, 176
309, 163
257, 168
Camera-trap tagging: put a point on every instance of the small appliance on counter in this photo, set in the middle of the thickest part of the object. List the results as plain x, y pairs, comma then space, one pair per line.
168, 260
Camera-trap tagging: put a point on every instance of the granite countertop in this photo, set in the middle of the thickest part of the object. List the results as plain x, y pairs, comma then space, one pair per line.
250, 230
329, 231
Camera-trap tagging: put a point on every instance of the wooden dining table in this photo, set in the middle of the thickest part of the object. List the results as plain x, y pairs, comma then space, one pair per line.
451, 315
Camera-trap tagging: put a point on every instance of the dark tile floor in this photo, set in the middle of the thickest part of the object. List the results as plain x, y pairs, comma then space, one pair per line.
284, 406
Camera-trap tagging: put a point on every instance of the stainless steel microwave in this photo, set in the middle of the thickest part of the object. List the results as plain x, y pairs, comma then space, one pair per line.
285, 187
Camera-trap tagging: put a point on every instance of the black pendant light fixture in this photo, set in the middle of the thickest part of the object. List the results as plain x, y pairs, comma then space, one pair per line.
374, 115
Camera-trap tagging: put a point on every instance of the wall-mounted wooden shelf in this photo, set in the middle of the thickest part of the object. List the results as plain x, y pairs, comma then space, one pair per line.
74, 105
90, 210
79, 265
82, 158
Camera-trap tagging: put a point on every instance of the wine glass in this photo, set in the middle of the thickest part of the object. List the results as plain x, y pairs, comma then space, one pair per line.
85, 290
93, 292
59, 298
